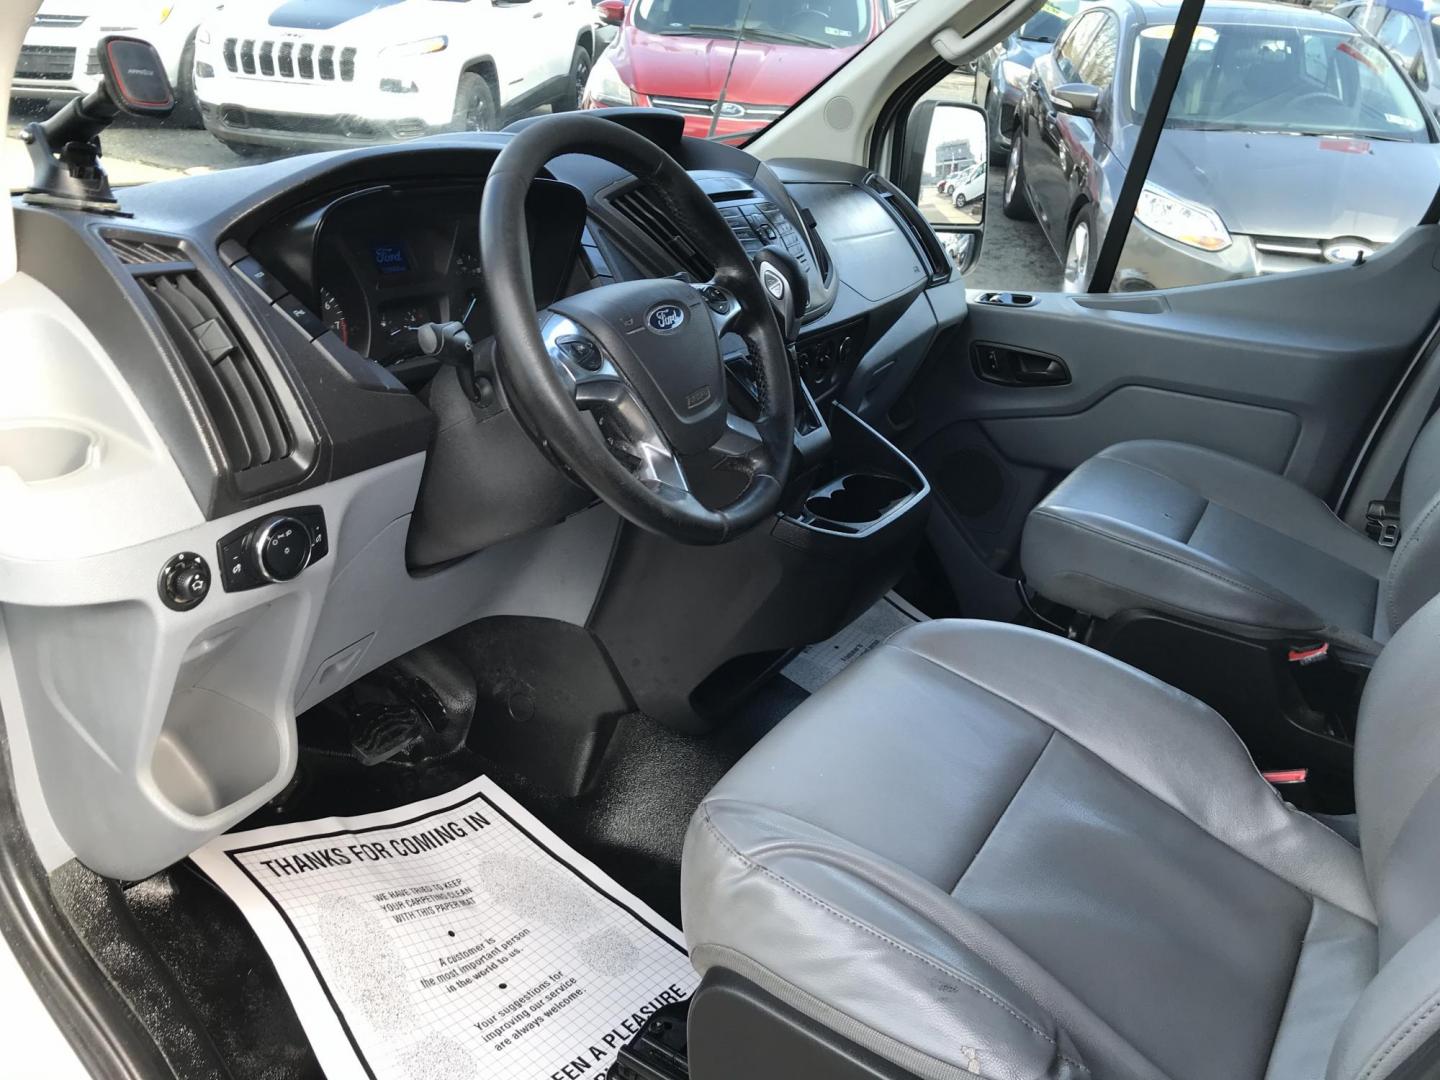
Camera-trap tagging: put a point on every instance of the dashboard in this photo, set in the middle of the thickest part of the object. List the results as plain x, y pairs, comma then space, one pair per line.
380, 262
233, 361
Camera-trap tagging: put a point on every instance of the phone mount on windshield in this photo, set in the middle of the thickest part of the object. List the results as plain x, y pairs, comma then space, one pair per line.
65, 149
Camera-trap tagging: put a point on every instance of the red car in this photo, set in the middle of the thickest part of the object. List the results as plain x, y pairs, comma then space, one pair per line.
680, 55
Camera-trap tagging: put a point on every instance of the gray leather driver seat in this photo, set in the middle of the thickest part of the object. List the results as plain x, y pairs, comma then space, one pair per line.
1186, 531
987, 851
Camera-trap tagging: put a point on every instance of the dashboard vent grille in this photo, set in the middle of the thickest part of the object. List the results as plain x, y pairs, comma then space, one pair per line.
144, 252
642, 210
236, 390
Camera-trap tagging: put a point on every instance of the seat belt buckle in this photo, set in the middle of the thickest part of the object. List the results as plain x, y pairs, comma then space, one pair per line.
1286, 777
1305, 655
1382, 522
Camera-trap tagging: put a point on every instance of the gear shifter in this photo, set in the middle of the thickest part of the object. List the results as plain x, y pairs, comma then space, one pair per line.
786, 285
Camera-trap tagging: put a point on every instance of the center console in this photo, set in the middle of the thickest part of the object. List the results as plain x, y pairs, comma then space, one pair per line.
690, 630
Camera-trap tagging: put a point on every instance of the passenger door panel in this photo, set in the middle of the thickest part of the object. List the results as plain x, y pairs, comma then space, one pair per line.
1288, 372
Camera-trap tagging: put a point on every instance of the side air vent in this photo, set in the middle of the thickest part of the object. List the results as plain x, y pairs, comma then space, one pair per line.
143, 252
915, 225
236, 390
643, 211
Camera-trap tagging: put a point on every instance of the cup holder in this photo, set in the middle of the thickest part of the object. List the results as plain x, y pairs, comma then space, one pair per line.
858, 499
44, 451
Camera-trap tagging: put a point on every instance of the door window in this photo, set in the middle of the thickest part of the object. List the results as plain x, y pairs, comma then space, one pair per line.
1097, 66
1073, 45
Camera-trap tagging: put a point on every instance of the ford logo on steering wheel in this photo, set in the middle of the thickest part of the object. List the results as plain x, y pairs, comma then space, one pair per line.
666, 318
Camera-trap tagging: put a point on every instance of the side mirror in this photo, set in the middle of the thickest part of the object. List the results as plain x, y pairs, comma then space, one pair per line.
1078, 99
611, 12
946, 171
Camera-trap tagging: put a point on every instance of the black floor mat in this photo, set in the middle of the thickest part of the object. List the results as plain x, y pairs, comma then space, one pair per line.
631, 822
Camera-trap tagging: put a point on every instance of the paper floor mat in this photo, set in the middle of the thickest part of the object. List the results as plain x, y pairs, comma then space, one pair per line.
817, 664
451, 938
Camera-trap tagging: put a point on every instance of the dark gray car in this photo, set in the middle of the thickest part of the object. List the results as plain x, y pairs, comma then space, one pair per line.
1335, 146
1001, 72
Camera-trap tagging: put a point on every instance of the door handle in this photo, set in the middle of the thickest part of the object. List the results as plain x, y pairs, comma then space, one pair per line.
1007, 366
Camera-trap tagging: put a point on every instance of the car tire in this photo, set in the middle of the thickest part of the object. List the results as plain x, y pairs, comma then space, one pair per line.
1013, 201
475, 107
187, 105
580, 65
1081, 251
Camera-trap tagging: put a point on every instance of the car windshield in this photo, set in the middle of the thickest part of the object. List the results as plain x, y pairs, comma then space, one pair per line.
261, 79
828, 24
1289, 79
1046, 24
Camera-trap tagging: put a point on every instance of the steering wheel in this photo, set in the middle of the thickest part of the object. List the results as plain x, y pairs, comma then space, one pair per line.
1318, 97
625, 384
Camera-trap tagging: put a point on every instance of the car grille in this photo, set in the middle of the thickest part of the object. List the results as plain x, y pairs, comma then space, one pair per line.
59, 22
1277, 254
45, 62
698, 107
289, 60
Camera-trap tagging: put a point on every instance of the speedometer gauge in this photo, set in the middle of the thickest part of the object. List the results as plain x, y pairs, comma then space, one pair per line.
334, 315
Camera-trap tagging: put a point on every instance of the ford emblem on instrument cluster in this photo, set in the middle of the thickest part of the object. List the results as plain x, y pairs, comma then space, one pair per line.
666, 318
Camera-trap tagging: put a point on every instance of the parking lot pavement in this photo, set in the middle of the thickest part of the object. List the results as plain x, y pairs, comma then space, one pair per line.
1015, 256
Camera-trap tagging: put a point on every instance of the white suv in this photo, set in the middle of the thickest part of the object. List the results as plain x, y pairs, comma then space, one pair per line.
288, 74
59, 57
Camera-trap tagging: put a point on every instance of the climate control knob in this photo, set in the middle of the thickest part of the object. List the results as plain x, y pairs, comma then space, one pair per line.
281, 548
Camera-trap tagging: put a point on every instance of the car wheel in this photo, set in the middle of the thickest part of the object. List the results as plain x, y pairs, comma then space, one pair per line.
1013, 201
579, 76
1081, 249
475, 108
187, 105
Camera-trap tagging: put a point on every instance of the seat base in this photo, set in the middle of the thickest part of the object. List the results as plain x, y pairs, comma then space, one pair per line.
737, 1029
1290, 716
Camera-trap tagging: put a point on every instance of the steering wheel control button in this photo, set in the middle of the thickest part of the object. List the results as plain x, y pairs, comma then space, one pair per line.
716, 298
282, 548
274, 549
581, 352
184, 581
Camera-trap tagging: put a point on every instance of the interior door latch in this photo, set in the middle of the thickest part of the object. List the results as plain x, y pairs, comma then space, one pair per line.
1008, 366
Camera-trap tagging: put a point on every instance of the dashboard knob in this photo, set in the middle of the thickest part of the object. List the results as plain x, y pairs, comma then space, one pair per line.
184, 581
281, 547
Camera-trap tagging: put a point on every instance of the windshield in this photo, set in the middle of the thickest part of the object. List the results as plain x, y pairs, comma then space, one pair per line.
261, 79
1289, 79
827, 25
1047, 23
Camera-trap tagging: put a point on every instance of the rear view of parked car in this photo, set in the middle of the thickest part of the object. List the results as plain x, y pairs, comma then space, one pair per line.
288, 75
1001, 72
1289, 97
729, 66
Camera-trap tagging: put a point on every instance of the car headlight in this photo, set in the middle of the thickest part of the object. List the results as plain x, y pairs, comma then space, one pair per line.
1190, 223
423, 47
605, 87
1014, 74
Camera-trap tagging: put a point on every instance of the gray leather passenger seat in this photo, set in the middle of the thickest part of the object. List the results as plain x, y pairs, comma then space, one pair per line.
1178, 529
988, 851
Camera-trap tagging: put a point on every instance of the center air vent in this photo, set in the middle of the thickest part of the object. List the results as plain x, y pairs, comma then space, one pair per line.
143, 252
644, 211
237, 391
